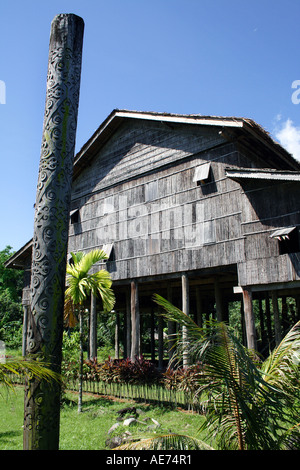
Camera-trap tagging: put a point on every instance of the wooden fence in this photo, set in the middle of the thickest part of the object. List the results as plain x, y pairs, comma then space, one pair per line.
142, 393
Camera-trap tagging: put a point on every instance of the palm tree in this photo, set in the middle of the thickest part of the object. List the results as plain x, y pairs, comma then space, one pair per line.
80, 284
248, 404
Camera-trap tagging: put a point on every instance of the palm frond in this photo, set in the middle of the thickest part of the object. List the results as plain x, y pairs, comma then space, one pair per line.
76, 257
80, 283
108, 298
166, 442
174, 314
101, 283
89, 259
282, 365
26, 367
242, 409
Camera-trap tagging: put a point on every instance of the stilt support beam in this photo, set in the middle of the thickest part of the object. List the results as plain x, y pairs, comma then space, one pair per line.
185, 309
249, 319
135, 321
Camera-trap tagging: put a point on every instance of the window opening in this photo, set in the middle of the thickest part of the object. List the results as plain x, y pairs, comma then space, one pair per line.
202, 173
74, 216
288, 240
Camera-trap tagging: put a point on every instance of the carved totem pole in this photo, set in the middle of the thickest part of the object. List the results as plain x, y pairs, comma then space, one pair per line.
51, 223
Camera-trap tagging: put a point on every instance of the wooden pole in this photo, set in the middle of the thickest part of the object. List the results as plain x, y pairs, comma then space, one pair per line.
152, 335
128, 324
117, 336
26, 309
261, 321
218, 299
284, 315
277, 324
160, 341
50, 238
249, 319
268, 318
171, 333
199, 308
297, 300
185, 309
135, 321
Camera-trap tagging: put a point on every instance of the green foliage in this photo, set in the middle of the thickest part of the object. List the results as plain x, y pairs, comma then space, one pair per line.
70, 346
248, 405
25, 367
10, 279
11, 283
106, 331
81, 283
139, 372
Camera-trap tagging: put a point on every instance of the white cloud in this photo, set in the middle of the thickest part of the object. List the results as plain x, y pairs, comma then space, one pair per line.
289, 137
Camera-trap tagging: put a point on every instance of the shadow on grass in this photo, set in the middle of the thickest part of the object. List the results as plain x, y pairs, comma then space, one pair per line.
6, 436
107, 402
97, 401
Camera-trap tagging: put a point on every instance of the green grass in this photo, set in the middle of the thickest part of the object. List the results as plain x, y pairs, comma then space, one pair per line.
11, 419
88, 430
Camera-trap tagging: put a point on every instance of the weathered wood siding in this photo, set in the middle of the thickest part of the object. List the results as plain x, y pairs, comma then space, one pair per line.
140, 195
268, 206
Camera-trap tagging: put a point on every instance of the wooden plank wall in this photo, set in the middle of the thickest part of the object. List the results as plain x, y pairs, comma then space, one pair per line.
268, 206
140, 195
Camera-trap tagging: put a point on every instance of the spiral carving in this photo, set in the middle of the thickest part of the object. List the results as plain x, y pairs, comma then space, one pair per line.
52, 208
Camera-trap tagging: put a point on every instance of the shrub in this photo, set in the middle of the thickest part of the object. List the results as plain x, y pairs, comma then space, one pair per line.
139, 372
185, 379
11, 333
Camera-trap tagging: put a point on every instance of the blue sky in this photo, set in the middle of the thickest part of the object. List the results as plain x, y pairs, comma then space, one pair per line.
211, 57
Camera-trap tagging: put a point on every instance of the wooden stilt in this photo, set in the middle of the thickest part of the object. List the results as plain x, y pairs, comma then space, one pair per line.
185, 309
160, 342
199, 308
135, 321
244, 341
297, 299
171, 333
218, 299
152, 335
268, 318
128, 325
262, 323
249, 319
277, 323
284, 314
117, 336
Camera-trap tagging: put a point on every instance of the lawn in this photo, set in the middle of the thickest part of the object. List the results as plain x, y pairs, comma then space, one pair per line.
89, 429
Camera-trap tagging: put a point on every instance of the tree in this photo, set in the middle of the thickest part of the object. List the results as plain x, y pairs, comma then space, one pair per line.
80, 284
11, 283
248, 404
